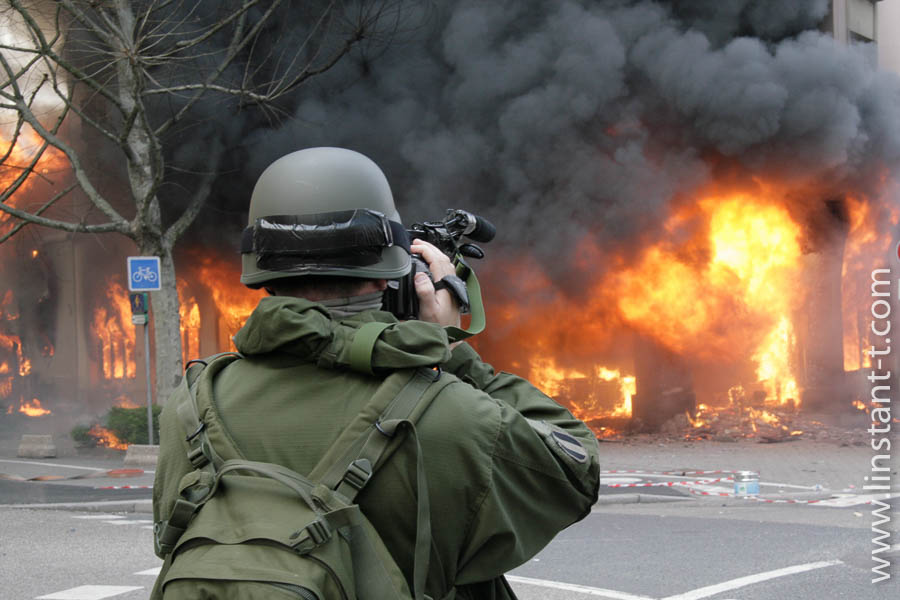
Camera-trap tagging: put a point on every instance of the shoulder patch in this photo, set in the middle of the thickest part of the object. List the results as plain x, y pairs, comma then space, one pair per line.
570, 445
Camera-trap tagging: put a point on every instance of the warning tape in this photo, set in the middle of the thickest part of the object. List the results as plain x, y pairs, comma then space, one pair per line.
676, 473
668, 483
689, 484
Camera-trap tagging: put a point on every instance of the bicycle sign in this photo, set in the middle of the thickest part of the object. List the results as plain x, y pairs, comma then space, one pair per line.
143, 273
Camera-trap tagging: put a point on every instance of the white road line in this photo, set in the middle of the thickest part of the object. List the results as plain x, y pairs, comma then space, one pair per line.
154, 571
90, 592
100, 516
845, 500
571, 587
129, 522
31, 462
712, 590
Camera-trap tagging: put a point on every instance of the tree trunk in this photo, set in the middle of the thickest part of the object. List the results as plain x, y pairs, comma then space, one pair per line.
166, 329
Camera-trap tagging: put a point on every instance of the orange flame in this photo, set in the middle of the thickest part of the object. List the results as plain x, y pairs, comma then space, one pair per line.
190, 324
33, 409
713, 304
595, 399
112, 327
21, 153
865, 249
106, 438
124, 401
234, 302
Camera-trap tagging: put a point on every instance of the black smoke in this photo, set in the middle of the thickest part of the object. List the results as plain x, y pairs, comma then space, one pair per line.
568, 118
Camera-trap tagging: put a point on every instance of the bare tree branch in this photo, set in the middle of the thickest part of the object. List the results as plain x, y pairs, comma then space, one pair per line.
23, 222
119, 227
198, 200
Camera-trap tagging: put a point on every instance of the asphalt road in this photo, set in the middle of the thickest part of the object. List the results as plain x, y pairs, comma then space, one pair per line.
711, 550
684, 551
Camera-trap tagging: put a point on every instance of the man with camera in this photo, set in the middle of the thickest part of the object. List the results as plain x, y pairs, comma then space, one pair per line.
463, 473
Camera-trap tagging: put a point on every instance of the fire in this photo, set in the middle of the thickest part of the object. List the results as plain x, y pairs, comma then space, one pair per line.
723, 285
234, 302
709, 301
33, 409
13, 345
860, 405
124, 401
112, 327
106, 438
190, 323
591, 400
864, 248
774, 360
20, 153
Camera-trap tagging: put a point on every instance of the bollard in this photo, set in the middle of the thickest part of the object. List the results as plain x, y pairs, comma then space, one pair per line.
142, 455
37, 446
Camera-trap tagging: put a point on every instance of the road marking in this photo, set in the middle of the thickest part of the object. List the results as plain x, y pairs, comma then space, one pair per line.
129, 522
100, 516
154, 571
712, 590
90, 592
571, 587
31, 462
844, 500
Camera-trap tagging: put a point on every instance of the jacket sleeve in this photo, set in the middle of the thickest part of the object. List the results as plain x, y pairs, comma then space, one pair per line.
545, 472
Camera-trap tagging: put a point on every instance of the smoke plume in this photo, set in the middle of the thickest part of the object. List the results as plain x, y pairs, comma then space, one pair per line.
559, 119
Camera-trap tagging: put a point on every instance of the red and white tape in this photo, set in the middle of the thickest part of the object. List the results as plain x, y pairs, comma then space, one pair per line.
668, 483
125, 487
675, 473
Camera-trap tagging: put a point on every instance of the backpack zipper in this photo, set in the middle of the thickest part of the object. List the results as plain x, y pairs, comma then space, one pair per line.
303, 592
332, 574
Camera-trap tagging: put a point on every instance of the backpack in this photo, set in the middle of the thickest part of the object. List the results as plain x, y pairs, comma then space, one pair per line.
244, 530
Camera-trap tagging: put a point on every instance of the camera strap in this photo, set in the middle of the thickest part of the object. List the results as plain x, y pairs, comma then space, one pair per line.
476, 306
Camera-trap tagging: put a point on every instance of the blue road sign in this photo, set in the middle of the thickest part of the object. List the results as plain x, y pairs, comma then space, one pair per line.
143, 273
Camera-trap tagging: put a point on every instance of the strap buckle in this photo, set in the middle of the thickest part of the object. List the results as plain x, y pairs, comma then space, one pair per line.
198, 456
316, 533
358, 474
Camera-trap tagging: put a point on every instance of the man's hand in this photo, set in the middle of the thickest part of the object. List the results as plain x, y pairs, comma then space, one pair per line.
438, 307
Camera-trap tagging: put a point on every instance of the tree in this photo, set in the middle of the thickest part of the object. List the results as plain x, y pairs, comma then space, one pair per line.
135, 73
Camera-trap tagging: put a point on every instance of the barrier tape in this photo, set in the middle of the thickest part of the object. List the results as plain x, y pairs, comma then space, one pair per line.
676, 473
689, 484
668, 483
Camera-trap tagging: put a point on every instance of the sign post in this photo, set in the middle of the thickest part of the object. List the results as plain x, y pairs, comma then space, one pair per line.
143, 277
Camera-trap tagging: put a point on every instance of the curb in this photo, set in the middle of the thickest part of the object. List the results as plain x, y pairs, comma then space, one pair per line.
638, 499
127, 506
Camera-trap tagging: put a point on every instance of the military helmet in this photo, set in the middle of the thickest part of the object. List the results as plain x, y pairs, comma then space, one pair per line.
323, 211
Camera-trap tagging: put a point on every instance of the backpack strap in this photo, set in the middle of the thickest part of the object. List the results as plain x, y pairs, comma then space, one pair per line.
362, 457
201, 454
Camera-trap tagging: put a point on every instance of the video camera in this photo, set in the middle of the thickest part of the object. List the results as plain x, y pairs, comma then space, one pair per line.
400, 298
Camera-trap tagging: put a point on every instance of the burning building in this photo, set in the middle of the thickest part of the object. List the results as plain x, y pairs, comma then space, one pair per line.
690, 198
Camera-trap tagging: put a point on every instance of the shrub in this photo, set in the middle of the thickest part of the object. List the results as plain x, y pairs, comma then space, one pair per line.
130, 424
82, 437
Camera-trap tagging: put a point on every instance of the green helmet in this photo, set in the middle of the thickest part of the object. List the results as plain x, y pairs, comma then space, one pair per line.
323, 211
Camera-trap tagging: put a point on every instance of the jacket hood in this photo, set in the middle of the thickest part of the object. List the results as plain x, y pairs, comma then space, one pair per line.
306, 330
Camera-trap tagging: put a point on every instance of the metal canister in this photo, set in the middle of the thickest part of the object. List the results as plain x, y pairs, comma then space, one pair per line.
746, 483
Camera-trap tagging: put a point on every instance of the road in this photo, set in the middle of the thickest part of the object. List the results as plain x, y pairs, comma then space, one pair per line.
687, 550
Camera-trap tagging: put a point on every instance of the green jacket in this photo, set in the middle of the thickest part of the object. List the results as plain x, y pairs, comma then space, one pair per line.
503, 476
